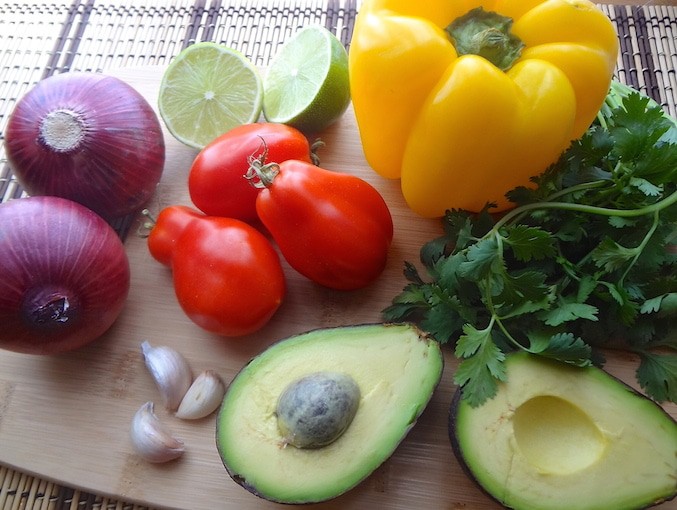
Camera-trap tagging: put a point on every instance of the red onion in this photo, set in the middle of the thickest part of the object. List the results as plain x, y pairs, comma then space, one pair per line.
64, 275
87, 137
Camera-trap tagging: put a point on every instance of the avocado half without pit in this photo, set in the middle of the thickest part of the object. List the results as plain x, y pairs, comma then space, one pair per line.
561, 437
313, 415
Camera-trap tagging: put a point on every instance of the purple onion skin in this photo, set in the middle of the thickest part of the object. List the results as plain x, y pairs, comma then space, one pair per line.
64, 275
117, 162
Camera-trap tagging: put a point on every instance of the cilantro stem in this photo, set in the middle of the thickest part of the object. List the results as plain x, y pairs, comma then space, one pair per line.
495, 317
585, 186
520, 211
508, 335
590, 209
640, 248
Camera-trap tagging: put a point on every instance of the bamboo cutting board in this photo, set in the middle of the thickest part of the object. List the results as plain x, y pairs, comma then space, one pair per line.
67, 417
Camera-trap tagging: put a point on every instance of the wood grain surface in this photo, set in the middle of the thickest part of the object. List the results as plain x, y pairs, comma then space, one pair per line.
67, 417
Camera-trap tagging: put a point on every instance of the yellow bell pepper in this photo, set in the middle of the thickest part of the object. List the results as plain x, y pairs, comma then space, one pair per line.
466, 99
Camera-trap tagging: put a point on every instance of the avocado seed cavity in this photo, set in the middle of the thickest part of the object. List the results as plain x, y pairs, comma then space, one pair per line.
316, 410
556, 436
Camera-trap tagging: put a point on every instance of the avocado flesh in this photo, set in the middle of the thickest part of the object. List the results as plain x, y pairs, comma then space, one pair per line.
396, 368
561, 437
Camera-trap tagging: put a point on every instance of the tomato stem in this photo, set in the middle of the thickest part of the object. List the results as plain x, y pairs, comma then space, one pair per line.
144, 229
261, 174
313, 151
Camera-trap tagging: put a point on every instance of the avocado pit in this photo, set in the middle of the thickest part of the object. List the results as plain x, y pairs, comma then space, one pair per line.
315, 410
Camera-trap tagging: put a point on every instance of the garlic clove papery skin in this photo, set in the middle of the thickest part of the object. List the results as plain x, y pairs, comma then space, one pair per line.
171, 373
152, 439
203, 397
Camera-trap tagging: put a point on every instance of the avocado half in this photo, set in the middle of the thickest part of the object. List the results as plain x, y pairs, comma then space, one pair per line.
397, 368
561, 437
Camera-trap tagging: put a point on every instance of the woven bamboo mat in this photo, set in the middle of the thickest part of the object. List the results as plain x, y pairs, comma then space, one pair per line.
41, 38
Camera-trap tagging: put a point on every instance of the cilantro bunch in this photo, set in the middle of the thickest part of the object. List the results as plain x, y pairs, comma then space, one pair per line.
586, 259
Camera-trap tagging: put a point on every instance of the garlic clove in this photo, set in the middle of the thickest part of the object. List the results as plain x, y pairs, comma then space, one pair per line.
203, 397
152, 439
171, 372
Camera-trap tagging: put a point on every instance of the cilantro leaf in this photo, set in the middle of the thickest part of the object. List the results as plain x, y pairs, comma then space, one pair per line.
522, 293
627, 308
586, 286
637, 127
657, 374
529, 243
667, 305
433, 251
564, 347
411, 273
566, 312
481, 367
647, 187
443, 319
411, 301
652, 305
458, 225
611, 256
659, 165
482, 259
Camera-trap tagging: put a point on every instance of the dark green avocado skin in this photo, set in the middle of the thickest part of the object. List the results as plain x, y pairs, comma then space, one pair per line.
457, 448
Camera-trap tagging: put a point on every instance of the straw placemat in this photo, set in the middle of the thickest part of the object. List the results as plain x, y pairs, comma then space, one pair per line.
38, 39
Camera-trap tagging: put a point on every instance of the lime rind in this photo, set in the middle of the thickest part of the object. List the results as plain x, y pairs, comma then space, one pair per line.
207, 90
307, 84
302, 71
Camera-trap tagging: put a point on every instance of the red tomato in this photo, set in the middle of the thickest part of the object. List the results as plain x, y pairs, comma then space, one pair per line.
227, 276
169, 225
331, 227
216, 182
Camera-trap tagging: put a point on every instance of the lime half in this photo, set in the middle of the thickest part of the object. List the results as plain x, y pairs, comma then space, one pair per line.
206, 90
307, 85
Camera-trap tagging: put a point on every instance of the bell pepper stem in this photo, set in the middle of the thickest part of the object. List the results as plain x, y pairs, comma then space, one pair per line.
487, 34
